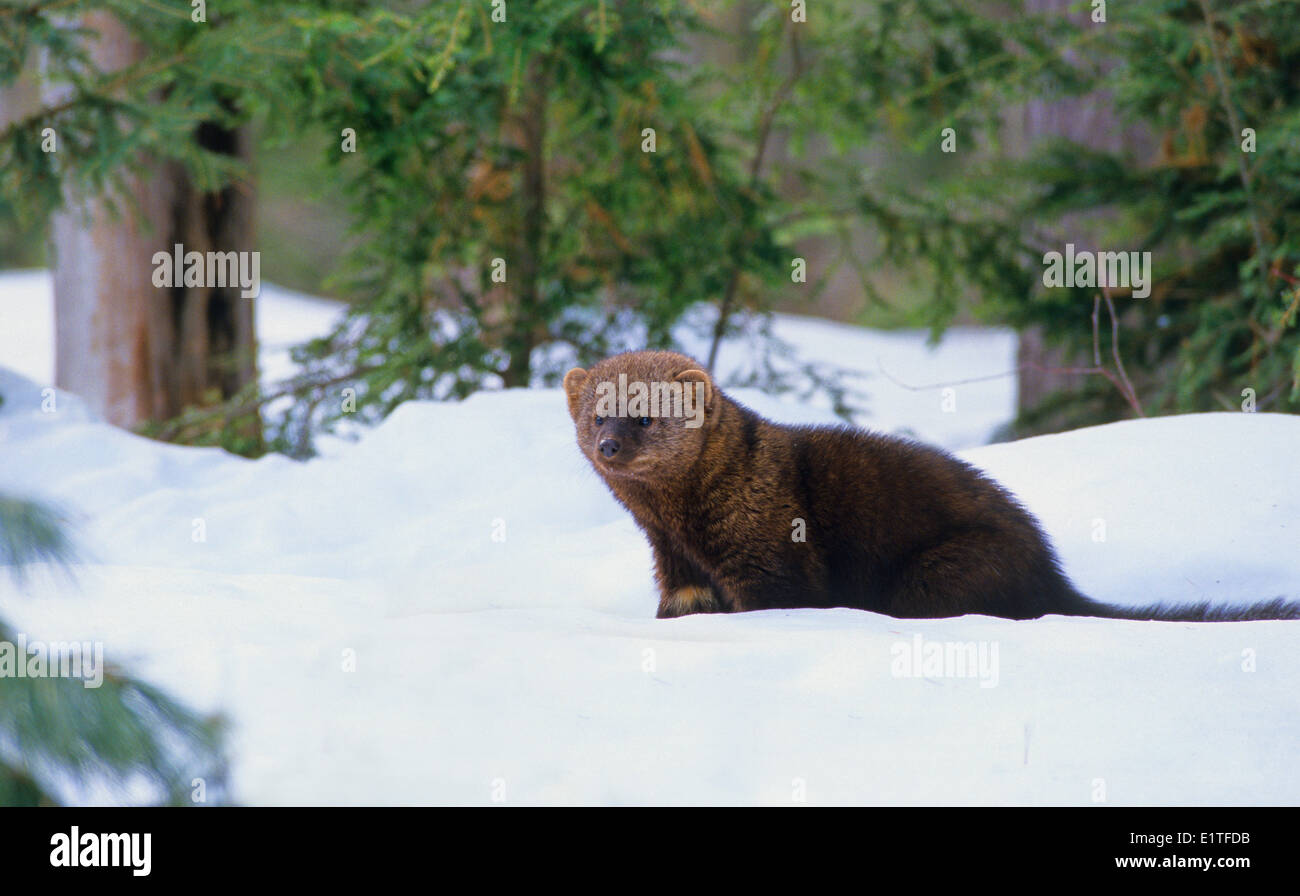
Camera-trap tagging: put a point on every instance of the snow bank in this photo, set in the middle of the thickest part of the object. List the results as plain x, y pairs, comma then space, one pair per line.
528, 667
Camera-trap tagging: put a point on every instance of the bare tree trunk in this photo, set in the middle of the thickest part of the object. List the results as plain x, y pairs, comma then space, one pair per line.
134, 351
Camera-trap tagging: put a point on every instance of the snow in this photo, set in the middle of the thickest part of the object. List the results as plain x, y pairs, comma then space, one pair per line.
528, 668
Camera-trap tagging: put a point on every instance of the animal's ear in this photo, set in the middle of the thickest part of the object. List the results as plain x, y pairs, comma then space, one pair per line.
697, 376
574, 380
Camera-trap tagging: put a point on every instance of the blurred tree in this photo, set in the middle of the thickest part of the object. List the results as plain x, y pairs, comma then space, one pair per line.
60, 738
1211, 194
135, 351
523, 176
1217, 206
578, 175
533, 184
1090, 120
1207, 82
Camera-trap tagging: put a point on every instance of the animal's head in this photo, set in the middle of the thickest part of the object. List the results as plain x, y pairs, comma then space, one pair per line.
641, 414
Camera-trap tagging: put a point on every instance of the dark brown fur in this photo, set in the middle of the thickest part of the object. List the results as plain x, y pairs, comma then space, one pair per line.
890, 525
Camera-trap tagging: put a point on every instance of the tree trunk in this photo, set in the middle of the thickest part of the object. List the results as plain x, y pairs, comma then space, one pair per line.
1091, 121
133, 351
524, 334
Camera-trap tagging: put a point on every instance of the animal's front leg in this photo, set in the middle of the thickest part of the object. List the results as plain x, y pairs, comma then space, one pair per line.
683, 587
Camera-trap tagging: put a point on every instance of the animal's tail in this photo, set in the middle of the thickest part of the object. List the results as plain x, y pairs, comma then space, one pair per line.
1277, 608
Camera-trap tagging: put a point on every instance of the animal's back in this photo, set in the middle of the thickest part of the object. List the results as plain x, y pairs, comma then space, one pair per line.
905, 529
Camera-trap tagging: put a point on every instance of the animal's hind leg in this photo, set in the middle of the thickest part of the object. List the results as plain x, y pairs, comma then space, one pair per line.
981, 571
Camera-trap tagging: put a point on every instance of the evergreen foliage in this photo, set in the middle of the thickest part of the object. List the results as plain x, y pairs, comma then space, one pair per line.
61, 740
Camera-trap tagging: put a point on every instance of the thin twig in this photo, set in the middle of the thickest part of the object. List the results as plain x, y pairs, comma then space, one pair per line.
1131, 393
1096, 341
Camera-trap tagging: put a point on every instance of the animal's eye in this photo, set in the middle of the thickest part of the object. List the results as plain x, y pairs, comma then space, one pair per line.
644, 421
600, 421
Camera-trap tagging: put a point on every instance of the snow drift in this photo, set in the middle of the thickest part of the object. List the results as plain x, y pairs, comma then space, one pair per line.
454, 610
528, 666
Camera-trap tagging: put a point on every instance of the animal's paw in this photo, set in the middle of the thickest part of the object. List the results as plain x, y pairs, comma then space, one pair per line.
691, 599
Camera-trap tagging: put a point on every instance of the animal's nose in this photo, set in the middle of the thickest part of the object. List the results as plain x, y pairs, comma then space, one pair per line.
609, 447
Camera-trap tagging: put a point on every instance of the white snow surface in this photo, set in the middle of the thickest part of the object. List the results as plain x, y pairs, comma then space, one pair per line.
528, 668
